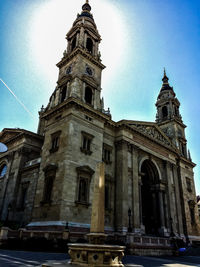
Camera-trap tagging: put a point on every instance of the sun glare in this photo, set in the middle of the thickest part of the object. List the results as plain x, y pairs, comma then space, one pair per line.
53, 19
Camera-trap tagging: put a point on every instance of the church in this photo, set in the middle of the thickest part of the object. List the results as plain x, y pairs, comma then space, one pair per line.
47, 178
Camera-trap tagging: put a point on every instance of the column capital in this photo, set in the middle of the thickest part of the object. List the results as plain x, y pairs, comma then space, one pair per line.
122, 143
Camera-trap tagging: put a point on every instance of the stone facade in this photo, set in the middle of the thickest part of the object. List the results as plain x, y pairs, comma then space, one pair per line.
19, 179
148, 169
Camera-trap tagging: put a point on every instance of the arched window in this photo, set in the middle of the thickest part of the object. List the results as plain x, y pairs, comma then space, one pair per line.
83, 184
164, 112
89, 45
63, 94
88, 95
3, 170
83, 187
48, 186
73, 43
50, 173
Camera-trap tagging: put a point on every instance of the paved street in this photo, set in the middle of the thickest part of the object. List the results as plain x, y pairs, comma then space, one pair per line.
13, 258
10, 258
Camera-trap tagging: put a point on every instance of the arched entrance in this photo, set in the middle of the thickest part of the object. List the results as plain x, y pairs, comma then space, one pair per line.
150, 198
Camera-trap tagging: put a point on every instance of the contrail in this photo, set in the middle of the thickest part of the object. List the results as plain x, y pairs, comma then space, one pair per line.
19, 101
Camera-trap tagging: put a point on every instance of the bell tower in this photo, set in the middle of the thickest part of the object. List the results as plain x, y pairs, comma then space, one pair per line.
168, 116
80, 68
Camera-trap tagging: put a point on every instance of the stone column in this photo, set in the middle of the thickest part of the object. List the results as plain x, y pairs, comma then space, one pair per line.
178, 203
121, 205
136, 192
171, 207
142, 228
81, 37
77, 39
166, 211
162, 218
85, 39
96, 48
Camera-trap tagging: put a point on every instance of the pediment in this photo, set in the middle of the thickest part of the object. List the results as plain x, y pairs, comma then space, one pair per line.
8, 134
151, 130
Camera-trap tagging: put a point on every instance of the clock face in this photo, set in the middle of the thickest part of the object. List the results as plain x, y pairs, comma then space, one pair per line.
69, 69
89, 71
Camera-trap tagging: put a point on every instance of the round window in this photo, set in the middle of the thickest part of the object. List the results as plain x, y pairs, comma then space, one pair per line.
3, 170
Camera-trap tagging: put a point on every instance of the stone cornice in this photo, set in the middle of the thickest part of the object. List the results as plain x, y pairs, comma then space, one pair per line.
25, 169
79, 104
186, 161
171, 120
21, 134
86, 27
70, 102
82, 52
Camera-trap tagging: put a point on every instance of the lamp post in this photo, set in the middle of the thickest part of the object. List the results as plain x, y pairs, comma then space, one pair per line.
129, 221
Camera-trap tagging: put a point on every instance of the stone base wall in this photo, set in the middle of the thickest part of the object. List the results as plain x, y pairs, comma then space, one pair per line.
151, 251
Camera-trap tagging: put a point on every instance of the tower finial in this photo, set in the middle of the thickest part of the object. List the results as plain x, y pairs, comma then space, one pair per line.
86, 7
165, 78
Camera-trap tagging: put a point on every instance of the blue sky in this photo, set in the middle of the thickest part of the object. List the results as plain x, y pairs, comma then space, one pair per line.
139, 39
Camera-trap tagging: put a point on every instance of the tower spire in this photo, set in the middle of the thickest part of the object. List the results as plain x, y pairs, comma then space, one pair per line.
165, 79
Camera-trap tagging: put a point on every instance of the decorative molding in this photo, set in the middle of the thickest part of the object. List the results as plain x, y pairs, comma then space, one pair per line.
85, 169
81, 51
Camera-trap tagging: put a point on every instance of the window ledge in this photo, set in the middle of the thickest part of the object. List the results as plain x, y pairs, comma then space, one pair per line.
82, 203
52, 150
45, 203
85, 151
